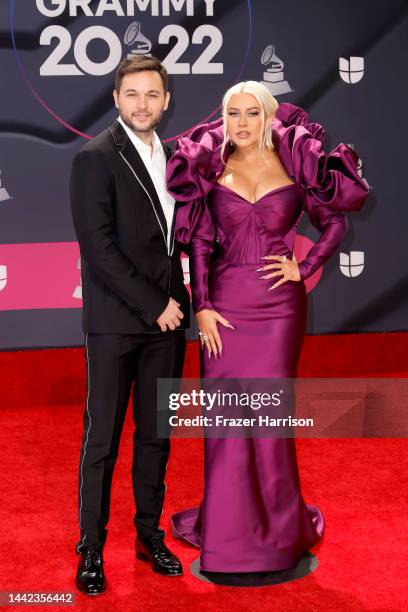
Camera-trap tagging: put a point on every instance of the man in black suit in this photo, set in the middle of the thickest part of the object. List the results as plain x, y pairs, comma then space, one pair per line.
135, 311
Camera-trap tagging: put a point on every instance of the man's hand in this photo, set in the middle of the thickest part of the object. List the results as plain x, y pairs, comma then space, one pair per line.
171, 317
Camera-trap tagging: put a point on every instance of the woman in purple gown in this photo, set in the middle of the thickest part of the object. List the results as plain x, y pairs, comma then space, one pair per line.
245, 180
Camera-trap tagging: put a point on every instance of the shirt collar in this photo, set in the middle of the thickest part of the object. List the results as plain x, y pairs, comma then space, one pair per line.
142, 147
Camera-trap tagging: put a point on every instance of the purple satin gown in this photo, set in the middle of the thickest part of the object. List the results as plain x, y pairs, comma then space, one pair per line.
253, 517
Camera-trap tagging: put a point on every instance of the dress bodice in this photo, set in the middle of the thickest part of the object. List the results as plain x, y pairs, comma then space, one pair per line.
246, 231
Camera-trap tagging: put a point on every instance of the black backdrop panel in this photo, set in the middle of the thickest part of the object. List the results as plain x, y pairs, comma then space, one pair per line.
58, 65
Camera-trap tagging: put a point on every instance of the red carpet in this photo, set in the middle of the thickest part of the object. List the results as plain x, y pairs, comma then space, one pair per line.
360, 485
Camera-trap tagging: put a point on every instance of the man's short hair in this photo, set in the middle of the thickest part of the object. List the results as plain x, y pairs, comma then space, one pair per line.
138, 63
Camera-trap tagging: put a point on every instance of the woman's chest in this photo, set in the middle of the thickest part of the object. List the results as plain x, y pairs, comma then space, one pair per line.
277, 210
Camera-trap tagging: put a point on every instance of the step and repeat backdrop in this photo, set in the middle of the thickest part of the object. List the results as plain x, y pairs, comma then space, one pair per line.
344, 62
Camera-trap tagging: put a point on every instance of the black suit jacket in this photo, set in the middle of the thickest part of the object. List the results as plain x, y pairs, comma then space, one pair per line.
128, 272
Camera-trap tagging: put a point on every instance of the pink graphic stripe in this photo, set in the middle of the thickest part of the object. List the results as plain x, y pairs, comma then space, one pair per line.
41, 275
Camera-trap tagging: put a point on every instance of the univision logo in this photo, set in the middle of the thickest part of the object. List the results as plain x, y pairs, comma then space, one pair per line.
352, 265
351, 71
3, 277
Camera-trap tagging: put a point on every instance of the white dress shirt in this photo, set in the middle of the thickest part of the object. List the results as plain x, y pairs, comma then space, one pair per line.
155, 162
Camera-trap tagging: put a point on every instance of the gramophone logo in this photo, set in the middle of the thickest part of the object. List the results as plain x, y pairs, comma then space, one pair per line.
273, 77
133, 35
352, 70
4, 194
352, 265
78, 289
3, 277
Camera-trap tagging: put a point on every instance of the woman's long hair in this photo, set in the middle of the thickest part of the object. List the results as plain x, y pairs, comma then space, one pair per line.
268, 105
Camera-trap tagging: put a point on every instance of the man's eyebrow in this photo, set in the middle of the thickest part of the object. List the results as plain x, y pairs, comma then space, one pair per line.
131, 89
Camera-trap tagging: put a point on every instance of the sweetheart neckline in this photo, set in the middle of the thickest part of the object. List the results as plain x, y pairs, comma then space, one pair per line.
259, 199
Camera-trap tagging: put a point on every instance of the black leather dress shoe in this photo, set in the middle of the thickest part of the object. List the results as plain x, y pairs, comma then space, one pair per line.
154, 550
90, 578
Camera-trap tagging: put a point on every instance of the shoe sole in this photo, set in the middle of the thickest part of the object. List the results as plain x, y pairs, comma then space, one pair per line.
92, 594
143, 557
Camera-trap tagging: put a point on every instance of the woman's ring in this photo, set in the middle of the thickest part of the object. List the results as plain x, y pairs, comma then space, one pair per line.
283, 258
205, 338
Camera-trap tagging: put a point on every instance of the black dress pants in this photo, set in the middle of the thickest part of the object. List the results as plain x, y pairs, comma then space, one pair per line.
114, 363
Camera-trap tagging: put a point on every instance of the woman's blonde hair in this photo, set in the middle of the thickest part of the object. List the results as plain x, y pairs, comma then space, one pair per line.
266, 101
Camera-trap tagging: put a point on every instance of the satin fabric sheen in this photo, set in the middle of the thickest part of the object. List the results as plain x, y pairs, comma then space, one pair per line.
253, 516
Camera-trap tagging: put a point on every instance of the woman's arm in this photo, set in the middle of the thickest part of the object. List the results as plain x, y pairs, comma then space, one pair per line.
191, 174
201, 248
333, 226
330, 181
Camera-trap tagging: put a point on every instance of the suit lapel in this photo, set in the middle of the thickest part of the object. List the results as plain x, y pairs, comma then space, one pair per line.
168, 153
132, 158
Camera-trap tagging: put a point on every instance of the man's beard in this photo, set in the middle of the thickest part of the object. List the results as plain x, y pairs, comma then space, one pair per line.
145, 128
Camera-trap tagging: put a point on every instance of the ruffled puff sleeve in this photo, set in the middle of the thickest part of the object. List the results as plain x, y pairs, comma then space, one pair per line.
330, 181
191, 174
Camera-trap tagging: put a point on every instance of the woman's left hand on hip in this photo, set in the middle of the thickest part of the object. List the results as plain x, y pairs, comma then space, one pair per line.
287, 268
